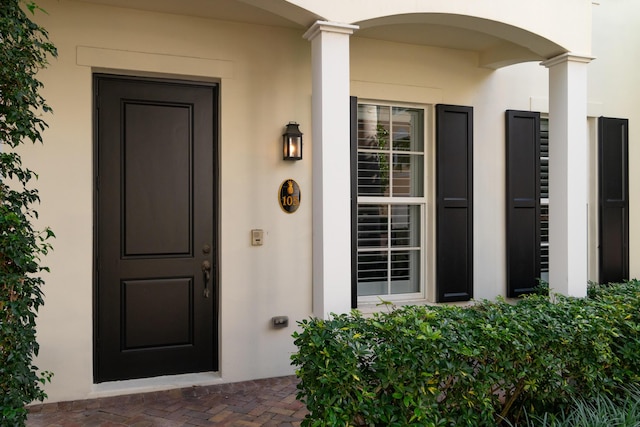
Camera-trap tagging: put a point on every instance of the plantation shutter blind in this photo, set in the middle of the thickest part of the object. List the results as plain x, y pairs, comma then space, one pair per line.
544, 198
454, 203
613, 191
523, 182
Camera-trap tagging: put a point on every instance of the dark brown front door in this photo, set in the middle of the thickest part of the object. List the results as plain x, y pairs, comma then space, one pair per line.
156, 287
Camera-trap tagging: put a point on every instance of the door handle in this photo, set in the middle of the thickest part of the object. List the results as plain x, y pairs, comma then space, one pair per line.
206, 269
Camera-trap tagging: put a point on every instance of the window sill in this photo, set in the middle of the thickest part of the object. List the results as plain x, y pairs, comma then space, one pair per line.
369, 308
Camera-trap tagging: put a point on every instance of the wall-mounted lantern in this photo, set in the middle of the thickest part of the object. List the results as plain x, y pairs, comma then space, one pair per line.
292, 142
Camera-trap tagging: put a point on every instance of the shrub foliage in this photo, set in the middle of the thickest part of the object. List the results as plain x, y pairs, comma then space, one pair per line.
475, 366
24, 48
601, 411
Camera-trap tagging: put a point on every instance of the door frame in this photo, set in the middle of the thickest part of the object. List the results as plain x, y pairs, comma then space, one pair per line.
215, 250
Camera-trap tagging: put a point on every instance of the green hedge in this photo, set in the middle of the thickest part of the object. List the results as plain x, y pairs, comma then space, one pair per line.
474, 366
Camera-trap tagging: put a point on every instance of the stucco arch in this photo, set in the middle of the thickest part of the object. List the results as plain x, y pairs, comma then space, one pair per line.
502, 33
498, 44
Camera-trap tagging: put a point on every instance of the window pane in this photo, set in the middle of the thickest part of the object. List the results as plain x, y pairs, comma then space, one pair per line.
374, 223
544, 223
408, 175
405, 225
373, 273
544, 158
372, 226
373, 127
544, 195
373, 150
544, 241
405, 271
373, 174
544, 177
408, 129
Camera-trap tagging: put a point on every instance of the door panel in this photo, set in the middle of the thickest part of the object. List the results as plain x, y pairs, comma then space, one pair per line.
158, 189
162, 321
155, 214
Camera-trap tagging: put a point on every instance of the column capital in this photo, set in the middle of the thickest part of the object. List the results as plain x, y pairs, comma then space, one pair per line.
567, 57
329, 27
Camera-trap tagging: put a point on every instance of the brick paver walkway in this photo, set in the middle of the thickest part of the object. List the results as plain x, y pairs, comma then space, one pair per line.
268, 402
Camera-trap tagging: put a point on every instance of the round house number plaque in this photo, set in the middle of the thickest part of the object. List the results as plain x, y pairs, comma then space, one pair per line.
289, 196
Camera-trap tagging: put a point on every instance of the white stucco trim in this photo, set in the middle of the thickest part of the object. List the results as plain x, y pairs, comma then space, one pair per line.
567, 57
328, 27
153, 62
147, 385
396, 92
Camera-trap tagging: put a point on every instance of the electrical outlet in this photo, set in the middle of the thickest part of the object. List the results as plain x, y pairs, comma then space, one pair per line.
280, 322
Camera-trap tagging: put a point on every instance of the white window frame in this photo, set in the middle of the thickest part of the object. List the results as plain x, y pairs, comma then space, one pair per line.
424, 203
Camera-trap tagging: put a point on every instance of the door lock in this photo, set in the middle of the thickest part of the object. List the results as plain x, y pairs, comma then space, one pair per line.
206, 268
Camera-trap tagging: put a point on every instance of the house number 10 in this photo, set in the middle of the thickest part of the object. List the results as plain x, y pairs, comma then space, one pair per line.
289, 196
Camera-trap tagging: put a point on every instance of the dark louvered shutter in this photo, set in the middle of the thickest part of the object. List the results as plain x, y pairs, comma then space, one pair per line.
613, 190
454, 203
353, 113
523, 201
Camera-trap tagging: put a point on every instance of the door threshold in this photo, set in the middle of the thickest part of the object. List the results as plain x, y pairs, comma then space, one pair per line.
146, 385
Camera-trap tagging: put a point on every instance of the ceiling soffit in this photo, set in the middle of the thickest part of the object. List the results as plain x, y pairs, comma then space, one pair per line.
264, 12
496, 43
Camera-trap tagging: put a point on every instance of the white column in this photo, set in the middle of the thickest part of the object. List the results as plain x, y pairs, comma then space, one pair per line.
331, 167
568, 174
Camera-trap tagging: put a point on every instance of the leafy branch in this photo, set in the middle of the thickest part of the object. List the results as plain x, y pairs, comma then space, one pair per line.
24, 50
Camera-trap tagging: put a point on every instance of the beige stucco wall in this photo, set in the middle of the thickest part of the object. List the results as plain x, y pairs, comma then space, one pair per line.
265, 77
428, 76
614, 86
265, 84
